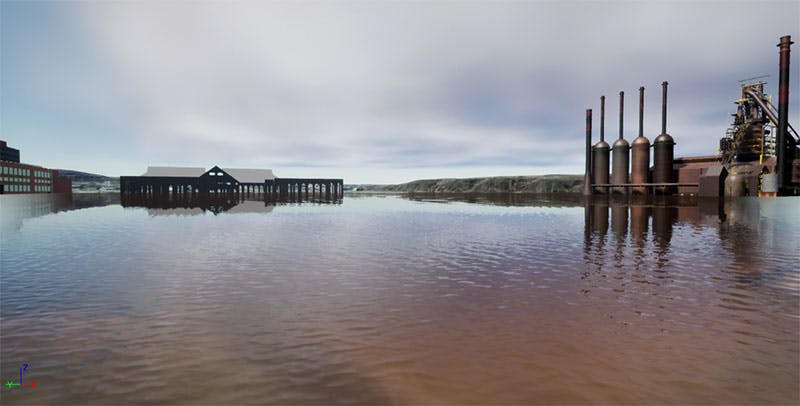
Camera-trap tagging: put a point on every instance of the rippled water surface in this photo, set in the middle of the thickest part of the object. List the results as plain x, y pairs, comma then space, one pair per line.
396, 300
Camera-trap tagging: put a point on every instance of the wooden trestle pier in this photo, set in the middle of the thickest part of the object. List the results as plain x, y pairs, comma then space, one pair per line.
166, 181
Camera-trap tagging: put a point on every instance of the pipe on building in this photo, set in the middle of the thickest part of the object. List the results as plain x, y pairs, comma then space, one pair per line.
783, 111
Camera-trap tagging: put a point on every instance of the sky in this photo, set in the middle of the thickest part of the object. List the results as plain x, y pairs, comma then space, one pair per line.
373, 92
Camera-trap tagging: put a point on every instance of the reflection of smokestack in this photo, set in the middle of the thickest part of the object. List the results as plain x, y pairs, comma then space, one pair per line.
587, 179
619, 221
783, 109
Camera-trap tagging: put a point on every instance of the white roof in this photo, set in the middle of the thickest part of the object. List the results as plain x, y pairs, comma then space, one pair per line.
250, 175
175, 171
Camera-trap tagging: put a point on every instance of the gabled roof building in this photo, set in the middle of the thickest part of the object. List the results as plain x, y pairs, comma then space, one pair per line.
178, 180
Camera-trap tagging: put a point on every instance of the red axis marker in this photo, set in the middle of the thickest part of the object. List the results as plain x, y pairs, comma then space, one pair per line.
32, 384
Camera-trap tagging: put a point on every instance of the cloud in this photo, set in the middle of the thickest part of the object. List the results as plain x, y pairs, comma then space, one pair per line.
406, 85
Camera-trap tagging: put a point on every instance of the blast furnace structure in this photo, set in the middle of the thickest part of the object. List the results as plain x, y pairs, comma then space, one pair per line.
759, 153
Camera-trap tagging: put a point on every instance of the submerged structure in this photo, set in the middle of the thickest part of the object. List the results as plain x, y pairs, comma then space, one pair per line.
189, 181
758, 156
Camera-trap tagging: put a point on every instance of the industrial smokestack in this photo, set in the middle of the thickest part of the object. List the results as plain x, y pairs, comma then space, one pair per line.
664, 107
600, 157
664, 150
621, 108
620, 154
602, 118
640, 153
783, 110
587, 179
641, 111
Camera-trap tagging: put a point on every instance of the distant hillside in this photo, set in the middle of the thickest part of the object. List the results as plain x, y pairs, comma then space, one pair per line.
498, 184
78, 176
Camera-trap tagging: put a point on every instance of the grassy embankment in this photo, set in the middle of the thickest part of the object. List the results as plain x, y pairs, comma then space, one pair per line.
498, 184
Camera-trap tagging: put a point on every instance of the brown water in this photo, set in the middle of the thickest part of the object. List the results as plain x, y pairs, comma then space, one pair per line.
545, 300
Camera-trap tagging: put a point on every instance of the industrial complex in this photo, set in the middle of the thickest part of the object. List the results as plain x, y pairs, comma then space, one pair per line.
758, 153
17, 177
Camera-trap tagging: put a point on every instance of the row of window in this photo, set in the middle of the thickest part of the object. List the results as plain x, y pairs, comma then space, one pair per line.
215, 174
21, 180
26, 188
26, 172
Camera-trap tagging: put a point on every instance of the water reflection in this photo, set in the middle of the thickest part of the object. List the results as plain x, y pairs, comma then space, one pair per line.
188, 205
502, 199
18, 208
387, 300
749, 228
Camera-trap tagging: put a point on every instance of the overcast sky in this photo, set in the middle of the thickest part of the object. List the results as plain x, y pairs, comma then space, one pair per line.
374, 92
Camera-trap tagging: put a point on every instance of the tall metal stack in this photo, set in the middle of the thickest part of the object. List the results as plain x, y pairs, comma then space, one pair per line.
587, 177
620, 151
783, 114
640, 153
663, 150
600, 156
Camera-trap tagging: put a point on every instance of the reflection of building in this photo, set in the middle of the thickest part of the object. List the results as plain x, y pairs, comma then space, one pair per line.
16, 177
20, 207
161, 205
181, 181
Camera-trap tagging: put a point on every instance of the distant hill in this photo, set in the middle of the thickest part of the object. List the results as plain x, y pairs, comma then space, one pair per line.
497, 184
78, 176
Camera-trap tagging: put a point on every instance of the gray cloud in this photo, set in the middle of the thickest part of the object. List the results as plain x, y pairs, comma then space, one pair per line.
409, 85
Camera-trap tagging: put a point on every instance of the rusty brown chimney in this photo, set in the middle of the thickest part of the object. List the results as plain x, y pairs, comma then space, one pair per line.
783, 110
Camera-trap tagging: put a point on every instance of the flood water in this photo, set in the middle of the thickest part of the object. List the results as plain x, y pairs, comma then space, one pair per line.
388, 299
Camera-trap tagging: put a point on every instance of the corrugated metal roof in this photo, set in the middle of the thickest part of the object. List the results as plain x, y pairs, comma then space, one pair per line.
174, 171
250, 175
